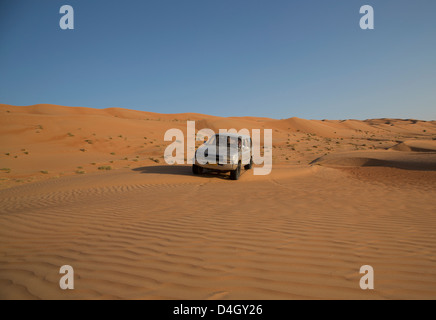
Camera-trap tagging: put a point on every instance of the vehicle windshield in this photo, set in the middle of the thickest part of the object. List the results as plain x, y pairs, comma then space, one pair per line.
231, 141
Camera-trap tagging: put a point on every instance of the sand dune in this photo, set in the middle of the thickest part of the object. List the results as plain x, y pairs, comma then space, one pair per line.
404, 160
342, 194
62, 141
416, 145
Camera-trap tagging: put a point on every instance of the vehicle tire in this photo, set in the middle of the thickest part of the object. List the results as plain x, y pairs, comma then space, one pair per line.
196, 169
250, 165
235, 174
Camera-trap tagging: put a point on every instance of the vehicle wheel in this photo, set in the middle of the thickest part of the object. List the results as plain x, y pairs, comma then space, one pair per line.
250, 165
235, 174
196, 169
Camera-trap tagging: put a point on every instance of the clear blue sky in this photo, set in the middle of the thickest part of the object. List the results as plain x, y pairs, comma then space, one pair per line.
268, 58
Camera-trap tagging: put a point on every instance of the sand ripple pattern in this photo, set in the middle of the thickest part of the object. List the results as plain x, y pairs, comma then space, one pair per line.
273, 238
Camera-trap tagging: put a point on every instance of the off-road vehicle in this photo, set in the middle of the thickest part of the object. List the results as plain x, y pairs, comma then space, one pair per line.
224, 152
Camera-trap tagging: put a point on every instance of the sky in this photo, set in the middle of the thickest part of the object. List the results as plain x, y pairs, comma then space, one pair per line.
266, 58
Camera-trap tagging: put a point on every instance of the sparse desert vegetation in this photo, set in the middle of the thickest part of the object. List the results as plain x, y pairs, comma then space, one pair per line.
106, 168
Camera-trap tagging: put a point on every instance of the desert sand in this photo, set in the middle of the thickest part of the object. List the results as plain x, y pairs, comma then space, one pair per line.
342, 194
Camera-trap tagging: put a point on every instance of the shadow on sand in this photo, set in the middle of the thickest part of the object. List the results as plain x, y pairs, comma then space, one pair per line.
179, 171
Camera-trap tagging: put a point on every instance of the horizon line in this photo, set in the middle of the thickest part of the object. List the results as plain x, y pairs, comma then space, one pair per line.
210, 115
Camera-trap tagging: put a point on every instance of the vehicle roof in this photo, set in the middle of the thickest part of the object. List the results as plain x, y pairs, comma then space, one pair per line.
233, 135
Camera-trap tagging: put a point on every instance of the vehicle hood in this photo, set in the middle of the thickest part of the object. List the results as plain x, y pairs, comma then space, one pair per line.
214, 151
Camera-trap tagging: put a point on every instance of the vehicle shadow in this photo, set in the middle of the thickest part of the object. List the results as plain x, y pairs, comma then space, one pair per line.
179, 171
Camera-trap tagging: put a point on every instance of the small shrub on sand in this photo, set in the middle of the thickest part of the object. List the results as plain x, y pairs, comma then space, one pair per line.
113, 153
70, 134
105, 168
44, 172
83, 150
80, 172
5, 170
